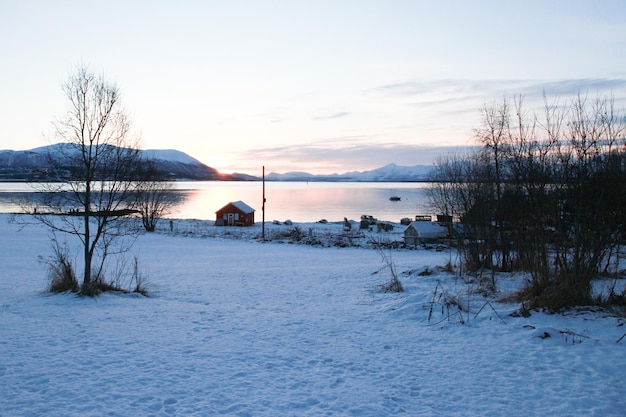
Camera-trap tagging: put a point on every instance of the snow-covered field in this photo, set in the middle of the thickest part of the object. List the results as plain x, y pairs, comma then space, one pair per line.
240, 327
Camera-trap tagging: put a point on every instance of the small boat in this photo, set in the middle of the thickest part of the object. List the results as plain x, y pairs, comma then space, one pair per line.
394, 198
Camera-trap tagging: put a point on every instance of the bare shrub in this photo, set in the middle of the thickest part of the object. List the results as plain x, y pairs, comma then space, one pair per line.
138, 280
296, 234
394, 284
154, 198
97, 287
449, 304
613, 298
448, 268
61, 270
426, 272
126, 279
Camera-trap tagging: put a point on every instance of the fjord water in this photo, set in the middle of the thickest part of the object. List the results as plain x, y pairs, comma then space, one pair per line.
296, 201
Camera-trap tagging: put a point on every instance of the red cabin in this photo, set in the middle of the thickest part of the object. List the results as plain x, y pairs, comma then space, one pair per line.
236, 213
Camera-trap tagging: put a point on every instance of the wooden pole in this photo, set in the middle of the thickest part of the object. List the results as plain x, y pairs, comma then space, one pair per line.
263, 207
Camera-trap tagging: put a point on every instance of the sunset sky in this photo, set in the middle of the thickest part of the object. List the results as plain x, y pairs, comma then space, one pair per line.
318, 86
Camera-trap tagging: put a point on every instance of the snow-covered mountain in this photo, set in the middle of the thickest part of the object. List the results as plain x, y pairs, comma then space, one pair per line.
393, 173
388, 173
35, 165
42, 164
178, 165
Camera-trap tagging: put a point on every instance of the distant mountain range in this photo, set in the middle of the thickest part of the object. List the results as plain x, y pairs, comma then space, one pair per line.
35, 165
388, 173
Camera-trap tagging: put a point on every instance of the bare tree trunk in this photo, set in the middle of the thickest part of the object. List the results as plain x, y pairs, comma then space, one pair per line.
87, 238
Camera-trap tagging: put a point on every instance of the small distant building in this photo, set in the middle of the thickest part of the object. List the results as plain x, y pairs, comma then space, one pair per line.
422, 232
236, 213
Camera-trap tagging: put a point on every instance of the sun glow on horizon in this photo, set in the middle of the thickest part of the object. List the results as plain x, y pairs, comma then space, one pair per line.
219, 162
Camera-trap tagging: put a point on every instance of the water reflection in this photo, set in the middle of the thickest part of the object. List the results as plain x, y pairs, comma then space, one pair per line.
19, 202
296, 201
306, 202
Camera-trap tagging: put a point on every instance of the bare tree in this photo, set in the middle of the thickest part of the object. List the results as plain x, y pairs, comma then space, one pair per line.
591, 199
547, 195
454, 184
154, 196
99, 157
460, 187
494, 135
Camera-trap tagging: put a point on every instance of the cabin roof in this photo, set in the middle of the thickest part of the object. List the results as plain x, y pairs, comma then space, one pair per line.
427, 229
241, 206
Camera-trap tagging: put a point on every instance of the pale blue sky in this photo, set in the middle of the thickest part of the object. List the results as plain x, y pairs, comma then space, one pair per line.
318, 86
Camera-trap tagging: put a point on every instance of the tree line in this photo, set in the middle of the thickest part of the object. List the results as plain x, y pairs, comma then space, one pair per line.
541, 193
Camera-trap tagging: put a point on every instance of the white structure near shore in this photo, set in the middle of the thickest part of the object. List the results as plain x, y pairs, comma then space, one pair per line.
423, 231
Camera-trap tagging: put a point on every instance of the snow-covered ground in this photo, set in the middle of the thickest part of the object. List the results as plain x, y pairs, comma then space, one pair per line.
236, 326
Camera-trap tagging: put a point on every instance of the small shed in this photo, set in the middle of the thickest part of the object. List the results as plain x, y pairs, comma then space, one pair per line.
236, 213
420, 232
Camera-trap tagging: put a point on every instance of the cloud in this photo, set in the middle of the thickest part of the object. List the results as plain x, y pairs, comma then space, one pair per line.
407, 123
332, 116
583, 86
448, 87
443, 92
340, 155
457, 103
